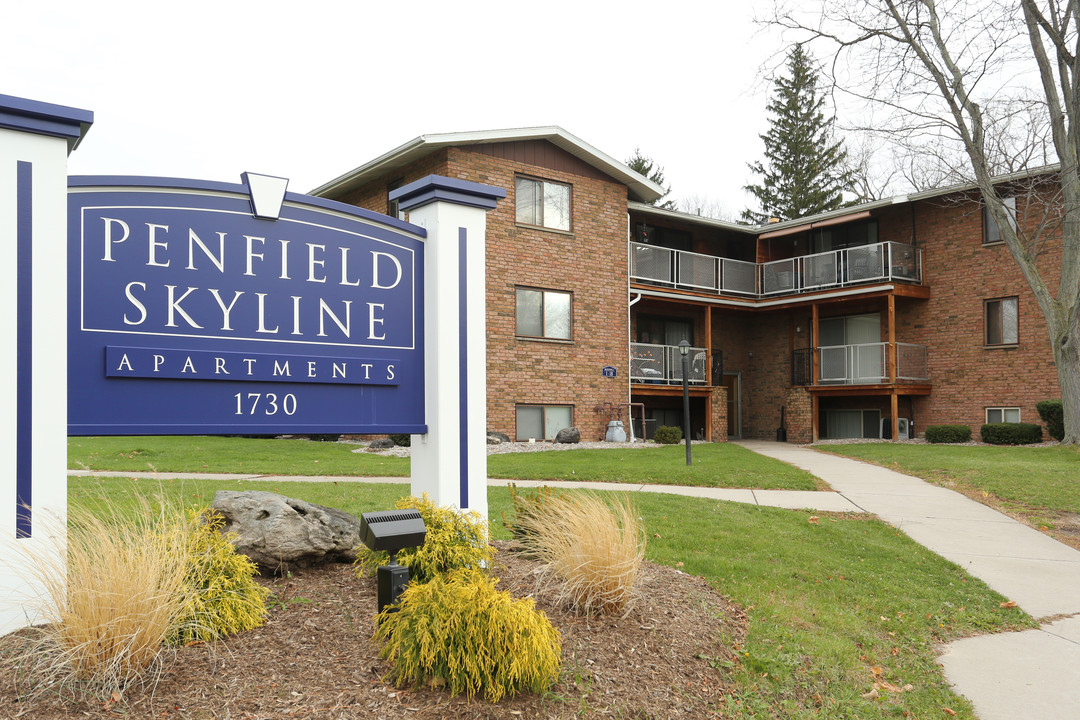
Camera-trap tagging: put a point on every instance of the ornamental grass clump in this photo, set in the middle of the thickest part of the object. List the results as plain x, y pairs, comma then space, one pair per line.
527, 506
454, 540
460, 631
112, 607
134, 585
591, 550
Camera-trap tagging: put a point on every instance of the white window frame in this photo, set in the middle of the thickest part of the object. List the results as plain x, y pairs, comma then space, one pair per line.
546, 187
1002, 410
545, 293
518, 437
1001, 316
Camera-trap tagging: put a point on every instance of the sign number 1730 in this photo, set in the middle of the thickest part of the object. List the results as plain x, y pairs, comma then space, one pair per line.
265, 403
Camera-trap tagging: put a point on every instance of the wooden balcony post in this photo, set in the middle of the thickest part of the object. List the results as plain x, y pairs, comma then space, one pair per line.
708, 345
894, 408
813, 351
891, 355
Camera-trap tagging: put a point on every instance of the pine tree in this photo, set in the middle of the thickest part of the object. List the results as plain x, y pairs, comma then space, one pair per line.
806, 171
643, 165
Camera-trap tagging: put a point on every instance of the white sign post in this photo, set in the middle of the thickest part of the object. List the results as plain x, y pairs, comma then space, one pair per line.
449, 462
35, 139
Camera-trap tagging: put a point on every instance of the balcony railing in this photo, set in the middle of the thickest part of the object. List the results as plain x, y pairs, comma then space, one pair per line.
662, 364
862, 364
880, 262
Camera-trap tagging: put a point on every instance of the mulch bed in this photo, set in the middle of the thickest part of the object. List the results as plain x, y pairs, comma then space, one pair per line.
314, 659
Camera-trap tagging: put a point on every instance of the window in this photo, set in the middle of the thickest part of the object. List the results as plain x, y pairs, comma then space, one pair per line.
542, 422
543, 203
392, 205
1002, 321
1003, 415
991, 233
543, 314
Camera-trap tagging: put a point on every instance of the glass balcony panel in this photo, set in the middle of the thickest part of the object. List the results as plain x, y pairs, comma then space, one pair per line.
865, 263
739, 276
698, 271
778, 276
820, 270
648, 262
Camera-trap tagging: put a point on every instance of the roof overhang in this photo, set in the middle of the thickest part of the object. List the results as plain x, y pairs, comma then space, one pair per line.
646, 209
857, 212
639, 187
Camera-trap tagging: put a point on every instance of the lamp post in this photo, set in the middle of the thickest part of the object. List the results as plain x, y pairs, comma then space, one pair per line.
684, 350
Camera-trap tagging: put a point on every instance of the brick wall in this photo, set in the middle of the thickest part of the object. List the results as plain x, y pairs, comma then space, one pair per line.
798, 418
968, 376
590, 262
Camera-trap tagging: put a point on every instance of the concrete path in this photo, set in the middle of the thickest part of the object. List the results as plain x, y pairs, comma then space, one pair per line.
1031, 674
791, 499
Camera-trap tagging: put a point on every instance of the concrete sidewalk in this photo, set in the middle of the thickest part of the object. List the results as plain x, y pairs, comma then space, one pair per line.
1031, 674
791, 499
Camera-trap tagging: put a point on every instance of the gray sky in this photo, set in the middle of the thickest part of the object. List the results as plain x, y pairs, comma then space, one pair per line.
310, 90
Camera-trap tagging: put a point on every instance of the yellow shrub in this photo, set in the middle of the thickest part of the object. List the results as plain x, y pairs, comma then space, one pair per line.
591, 550
454, 540
225, 598
460, 630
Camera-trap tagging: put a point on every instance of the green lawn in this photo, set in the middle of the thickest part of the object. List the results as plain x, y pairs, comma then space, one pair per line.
206, 454
714, 465
1035, 477
827, 601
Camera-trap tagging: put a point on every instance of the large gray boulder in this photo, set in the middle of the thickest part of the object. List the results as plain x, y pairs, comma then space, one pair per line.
568, 435
497, 438
276, 531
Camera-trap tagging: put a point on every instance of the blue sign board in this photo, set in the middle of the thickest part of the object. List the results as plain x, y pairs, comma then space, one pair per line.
194, 309
609, 371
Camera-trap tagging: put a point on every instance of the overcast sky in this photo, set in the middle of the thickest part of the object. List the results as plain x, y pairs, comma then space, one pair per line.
310, 90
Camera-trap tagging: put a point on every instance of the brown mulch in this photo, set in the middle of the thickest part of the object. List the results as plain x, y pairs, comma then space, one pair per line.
314, 659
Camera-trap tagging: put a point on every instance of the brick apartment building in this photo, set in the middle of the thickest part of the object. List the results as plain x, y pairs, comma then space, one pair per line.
876, 320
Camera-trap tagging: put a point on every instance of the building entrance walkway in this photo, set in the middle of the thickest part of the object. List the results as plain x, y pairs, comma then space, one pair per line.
1029, 674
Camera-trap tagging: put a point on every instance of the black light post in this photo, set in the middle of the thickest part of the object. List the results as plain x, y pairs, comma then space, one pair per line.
684, 350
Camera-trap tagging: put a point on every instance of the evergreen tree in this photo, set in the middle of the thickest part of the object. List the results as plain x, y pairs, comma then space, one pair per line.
643, 165
805, 172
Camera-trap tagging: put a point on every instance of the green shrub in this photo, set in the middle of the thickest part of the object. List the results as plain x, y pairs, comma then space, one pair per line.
402, 440
461, 631
1011, 433
454, 540
528, 508
948, 434
226, 598
1053, 415
668, 435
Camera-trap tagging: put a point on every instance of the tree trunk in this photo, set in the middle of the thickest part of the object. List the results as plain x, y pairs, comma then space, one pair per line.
1066, 344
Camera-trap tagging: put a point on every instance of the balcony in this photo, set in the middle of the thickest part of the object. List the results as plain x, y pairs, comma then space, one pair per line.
879, 262
862, 364
662, 364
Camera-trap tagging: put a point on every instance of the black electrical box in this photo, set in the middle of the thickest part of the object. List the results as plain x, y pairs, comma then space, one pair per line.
392, 580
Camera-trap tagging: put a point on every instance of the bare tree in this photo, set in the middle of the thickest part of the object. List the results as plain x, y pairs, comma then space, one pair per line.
705, 206
959, 75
